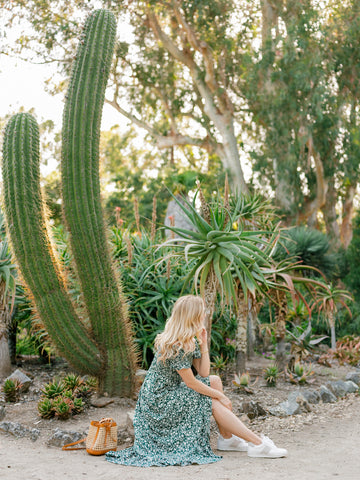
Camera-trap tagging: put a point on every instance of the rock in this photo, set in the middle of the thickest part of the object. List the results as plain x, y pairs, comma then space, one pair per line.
2, 413
22, 378
338, 388
291, 407
60, 438
100, 402
122, 435
179, 218
278, 411
19, 430
326, 395
351, 386
354, 377
299, 398
253, 409
311, 396
130, 422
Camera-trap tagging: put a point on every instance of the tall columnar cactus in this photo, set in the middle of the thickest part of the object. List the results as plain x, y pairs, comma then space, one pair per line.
106, 349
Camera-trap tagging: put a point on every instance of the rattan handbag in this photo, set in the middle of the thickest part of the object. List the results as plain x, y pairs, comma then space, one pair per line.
101, 438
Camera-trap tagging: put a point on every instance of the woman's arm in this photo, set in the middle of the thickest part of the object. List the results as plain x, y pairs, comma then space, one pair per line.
202, 364
190, 381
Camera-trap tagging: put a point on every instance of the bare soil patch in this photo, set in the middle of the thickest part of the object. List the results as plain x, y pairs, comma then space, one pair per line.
322, 443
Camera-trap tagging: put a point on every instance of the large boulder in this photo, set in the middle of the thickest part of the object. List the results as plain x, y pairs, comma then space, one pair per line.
354, 377
311, 396
326, 395
341, 388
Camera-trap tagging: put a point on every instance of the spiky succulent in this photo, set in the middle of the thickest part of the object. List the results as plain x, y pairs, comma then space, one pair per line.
11, 389
271, 374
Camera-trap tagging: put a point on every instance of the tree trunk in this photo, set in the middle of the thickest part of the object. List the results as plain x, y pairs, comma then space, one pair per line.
330, 216
347, 211
280, 328
311, 207
210, 299
332, 330
229, 154
251, 329
241, 333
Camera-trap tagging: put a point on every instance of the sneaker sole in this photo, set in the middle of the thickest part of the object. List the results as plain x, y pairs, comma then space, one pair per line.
232, 449
268, 456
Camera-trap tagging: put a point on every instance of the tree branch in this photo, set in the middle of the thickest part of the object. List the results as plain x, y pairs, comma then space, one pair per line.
165, 141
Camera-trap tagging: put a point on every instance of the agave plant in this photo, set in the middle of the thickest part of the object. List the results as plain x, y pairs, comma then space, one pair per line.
45, 408
271, 374
243, 382
11, 389
299, 374
53, 389
227, 258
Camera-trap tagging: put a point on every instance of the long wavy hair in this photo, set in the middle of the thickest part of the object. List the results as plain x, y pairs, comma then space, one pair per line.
184, 324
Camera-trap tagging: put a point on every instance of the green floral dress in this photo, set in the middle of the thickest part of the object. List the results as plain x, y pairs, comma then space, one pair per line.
172, 421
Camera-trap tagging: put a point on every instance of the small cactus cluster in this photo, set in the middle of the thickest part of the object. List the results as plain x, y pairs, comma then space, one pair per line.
11, 389
66, 397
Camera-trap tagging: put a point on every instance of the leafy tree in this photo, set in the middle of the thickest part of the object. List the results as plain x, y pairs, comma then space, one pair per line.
273, 80
136, 172
302, 87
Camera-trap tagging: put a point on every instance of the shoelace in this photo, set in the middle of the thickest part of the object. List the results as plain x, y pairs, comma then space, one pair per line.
268, 441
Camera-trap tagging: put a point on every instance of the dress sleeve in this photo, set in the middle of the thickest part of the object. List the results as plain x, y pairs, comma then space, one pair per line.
197, 352
180, 361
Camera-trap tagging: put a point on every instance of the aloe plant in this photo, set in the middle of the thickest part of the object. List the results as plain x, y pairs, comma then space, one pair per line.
227, 257
101, 345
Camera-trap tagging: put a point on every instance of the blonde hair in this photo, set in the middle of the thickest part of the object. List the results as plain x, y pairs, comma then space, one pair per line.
180, 329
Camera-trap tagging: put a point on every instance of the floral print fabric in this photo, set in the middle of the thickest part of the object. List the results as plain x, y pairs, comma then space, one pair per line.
172, 421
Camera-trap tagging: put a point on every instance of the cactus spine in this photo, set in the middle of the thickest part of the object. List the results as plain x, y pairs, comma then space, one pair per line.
111, 333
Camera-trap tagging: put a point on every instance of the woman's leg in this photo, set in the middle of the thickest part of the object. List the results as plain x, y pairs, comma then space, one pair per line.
227, 422
230, 423
216, 383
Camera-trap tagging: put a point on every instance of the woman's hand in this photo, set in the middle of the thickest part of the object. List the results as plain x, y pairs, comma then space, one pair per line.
203, 338
225, 401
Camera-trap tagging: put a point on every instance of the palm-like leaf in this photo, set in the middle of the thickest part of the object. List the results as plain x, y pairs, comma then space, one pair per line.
328, 298
238, 257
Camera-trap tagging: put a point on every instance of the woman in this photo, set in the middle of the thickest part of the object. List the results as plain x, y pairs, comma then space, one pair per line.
172, 415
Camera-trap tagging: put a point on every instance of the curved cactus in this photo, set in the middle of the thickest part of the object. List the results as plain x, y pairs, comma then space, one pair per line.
30, 241
111, 334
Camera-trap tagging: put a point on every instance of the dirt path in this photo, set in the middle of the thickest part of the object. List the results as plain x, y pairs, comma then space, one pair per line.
323, 450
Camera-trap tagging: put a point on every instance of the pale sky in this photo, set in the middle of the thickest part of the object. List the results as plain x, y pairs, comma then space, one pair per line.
22, 85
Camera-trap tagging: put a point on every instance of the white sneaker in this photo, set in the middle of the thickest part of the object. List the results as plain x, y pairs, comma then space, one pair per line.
267, 449
232, 444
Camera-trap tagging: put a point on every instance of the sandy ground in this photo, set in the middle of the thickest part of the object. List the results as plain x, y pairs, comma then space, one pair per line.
325, 449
